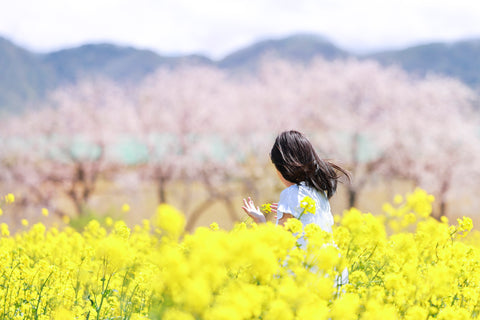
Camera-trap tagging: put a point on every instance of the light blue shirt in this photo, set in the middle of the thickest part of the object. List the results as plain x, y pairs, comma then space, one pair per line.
290, 199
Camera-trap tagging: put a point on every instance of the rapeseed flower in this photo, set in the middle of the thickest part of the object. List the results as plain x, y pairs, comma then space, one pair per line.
266, 207
10, 198
424, 269
308, 205
4, 229
214, 226
293, 225
169, 221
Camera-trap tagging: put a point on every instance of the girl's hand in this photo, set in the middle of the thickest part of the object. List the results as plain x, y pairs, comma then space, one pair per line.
274, 207
252, 211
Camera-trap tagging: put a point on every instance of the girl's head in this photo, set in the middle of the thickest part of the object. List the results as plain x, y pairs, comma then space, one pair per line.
296, 160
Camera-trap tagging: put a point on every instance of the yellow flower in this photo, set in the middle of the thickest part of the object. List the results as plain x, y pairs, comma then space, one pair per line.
177, 314
420, 202
308, 205
4, 230
313, 311
293, 225
266, 207
121, 230
170, 221
113, 252
24, 222
279, 310
398, 199
197, 296
346, 307
328, 257
125, 207
10, 198
465, 225
45, 212
63, 314
66, 219
108, 221
416, 312
247, 272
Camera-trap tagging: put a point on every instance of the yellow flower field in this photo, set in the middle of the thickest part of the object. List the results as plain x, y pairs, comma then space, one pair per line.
402, 264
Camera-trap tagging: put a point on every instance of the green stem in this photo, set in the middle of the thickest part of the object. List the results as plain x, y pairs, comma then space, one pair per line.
40, 295
6, 293
123, 291
104, 289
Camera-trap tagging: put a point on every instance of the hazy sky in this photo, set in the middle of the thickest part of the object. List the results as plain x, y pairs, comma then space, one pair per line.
217, 27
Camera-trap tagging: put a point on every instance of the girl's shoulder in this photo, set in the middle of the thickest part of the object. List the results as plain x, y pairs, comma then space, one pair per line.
307, 191
301, 189
292, 189
289, 194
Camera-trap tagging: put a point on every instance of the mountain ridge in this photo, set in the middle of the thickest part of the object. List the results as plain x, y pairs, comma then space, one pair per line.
26, 76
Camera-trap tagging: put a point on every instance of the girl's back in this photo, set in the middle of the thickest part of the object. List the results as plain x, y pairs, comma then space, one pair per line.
291, 200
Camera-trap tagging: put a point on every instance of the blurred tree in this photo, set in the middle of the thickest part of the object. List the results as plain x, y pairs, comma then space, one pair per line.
435, 138
199, 126
62, 149
182, 118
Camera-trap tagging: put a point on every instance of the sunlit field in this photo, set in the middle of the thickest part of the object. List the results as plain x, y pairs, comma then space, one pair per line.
142, 201
401, 264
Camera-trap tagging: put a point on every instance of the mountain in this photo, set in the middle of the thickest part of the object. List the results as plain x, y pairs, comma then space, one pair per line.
125, 64
458, 59
23, 77
26, 77
300, 48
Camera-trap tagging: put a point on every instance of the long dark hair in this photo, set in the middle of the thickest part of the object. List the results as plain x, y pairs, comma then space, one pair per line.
295, 158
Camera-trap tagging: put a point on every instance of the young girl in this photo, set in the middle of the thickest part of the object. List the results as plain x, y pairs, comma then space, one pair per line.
304, 174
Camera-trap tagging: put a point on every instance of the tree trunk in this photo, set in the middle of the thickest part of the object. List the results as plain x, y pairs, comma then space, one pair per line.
442, 195
443, 208
230, 209
161, 190
197, 213
352, 197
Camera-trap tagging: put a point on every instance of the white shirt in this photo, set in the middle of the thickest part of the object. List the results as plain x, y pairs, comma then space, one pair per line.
290, 199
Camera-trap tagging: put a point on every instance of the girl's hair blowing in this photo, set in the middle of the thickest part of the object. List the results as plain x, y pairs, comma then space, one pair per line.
295, 158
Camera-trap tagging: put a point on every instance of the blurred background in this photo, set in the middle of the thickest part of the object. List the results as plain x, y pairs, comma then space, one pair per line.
108, 108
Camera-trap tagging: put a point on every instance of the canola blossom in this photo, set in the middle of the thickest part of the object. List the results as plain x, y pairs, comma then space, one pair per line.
308, 206
266, 207
402, 264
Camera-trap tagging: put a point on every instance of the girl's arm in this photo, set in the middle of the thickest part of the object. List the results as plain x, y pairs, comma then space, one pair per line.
257, 215
252, 211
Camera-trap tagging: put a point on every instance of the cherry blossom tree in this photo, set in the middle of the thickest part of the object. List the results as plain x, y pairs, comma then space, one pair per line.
62, 148
182, 118
436, 139
200, 126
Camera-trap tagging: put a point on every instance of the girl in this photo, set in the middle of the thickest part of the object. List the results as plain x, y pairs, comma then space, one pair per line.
306, 176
